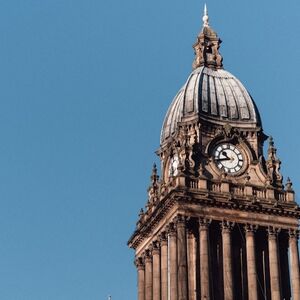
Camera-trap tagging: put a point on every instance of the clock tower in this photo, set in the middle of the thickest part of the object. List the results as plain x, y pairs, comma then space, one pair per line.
219, 222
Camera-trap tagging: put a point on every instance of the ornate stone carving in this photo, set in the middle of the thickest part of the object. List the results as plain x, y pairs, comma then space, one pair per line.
155, 248
227, 226
250, 228
163, 238
171, 229
273, 232
289, 185
180, 220
273, 165
207, 47
140, 263
148, 256
294, 234
153, 190
204, 223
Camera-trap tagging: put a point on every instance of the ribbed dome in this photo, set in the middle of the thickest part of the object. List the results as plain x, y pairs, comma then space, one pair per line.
212, 95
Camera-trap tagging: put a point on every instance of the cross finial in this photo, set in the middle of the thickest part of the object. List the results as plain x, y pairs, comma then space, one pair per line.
205, 17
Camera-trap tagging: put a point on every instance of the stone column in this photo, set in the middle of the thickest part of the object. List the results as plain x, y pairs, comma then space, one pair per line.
294, 258
164, 265
251, 262
227, 260
148, 275
204, 258
140, 264
191, 246
173, 267
182, 258
156, 271
274, 263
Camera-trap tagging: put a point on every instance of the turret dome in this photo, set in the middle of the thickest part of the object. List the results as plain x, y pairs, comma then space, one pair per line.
210, 92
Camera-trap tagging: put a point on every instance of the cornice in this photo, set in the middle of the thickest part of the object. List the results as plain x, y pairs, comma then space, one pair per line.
204, 198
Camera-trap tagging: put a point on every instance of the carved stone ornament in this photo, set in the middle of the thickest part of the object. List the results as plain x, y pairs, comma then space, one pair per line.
273, 165
207, 47
171, 228
289, 185
140, 263
155, 247
163, 238
180, 220
148, 256
294, 234
204, 223
227, 226
250, 228
273, 232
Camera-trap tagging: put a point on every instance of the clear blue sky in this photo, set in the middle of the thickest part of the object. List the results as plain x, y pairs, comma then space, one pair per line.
84, 87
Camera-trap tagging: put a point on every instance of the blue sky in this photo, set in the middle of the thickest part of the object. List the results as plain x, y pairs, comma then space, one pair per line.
84, 87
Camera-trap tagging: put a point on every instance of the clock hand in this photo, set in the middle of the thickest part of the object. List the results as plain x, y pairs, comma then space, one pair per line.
224, 153
223, 159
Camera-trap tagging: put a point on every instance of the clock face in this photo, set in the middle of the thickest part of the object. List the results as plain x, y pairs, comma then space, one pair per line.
174, 162
228, 158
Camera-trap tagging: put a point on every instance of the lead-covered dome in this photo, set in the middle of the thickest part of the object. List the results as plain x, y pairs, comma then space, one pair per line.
210, 93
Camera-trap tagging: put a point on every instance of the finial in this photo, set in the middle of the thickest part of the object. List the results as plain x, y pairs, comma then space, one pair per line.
207, 46
141, 213
289, 184
205, 17
271, 141
154, 168
154, 176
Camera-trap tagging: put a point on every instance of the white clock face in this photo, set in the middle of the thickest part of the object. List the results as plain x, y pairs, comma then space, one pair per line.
228, 158
173, 167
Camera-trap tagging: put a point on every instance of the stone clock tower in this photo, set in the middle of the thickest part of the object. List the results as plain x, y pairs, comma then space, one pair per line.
219, 223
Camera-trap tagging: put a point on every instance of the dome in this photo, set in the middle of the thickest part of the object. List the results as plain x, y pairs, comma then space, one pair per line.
212, 95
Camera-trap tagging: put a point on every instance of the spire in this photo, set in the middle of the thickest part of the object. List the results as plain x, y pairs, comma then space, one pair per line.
205, 17
154, 176
207, 46
273, 164
154, 186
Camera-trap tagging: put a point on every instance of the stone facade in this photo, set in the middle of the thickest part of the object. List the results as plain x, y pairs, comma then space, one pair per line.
219, 223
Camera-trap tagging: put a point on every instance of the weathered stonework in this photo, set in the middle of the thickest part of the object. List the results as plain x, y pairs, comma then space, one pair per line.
210, 229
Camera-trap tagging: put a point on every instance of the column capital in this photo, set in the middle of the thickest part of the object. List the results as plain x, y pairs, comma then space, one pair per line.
180, 220
273, 232
204, 223
171, 228
139, 263
227, 226
190, 233
163, 238
250, 229
294, 234
148, 256
155, 248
